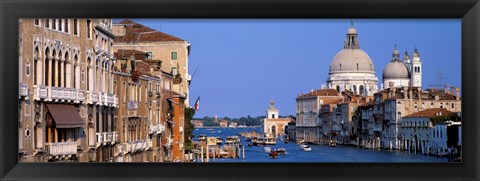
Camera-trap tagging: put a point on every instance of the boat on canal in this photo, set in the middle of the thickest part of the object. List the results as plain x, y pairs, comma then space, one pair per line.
260, 141
202, 137
307, 148
232, 140
219, 140
332, 143
273, 154
271, 141
281, 151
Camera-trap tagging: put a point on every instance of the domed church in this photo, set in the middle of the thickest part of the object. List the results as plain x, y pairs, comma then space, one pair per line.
352, 69
403, 73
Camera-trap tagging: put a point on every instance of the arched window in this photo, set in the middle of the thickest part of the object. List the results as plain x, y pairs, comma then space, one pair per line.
354, 89
65, 69
418, 70
338, 88
340, 66
47, 68
27, 69
36, 57
59, 70
89, 72
75, 71
52, 73
361, 89
357, 66
399, 116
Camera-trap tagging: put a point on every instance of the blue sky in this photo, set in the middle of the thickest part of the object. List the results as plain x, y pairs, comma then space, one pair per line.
245, 63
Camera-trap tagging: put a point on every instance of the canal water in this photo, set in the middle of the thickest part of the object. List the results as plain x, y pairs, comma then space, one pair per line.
319, 153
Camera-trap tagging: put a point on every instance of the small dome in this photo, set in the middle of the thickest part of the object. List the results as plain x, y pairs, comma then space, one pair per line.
352, 30
395, 69
352, 60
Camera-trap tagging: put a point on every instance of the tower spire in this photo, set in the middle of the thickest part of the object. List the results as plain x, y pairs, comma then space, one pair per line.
351, 41
396, 54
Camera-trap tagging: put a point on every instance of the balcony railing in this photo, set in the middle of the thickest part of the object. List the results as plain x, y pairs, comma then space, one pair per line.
63, 148
58, 94
102, 98
157, 128
114, 137
99, 137
138, 146
22, 89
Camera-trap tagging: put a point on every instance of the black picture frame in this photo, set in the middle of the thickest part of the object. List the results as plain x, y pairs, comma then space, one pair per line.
11, 11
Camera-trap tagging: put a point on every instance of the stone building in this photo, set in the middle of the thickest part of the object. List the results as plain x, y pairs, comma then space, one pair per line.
179, 124
420, 134
308, 123
352, 69
400, 101
138, 122
172, 51
66, 94
273, 126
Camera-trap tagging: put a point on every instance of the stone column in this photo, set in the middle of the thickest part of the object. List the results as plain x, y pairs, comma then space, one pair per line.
49, 73
62, 71
56, 73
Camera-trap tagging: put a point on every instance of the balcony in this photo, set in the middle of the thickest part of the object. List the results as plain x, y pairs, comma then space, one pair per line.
114, 137
102, 98
157, 128
100, 139
63, 148
23, 90
92, 97
58, 94
137, 146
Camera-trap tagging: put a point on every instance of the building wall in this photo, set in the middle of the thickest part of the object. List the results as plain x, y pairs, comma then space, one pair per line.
162, 51
53, 69
179, 138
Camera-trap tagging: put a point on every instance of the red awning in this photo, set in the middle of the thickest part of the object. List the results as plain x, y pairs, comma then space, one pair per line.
65, 116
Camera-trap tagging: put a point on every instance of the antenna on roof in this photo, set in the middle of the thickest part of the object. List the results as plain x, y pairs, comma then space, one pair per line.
351, 23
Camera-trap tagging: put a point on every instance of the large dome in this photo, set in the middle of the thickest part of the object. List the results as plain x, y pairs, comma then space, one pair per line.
351, 60
395, 69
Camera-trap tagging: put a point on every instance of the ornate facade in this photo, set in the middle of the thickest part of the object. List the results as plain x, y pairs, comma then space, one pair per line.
66, 102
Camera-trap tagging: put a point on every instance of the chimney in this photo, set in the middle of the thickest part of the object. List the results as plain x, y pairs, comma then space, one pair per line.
457, 95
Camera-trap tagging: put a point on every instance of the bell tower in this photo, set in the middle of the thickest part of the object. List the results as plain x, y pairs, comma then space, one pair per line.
416, 75
272, 113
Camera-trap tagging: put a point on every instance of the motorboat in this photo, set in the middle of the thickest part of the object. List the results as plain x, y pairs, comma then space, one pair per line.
202, 137
307, 148
281, 150
219, 140
232, 140
303, 145
271, 141
332, 144
273, 154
